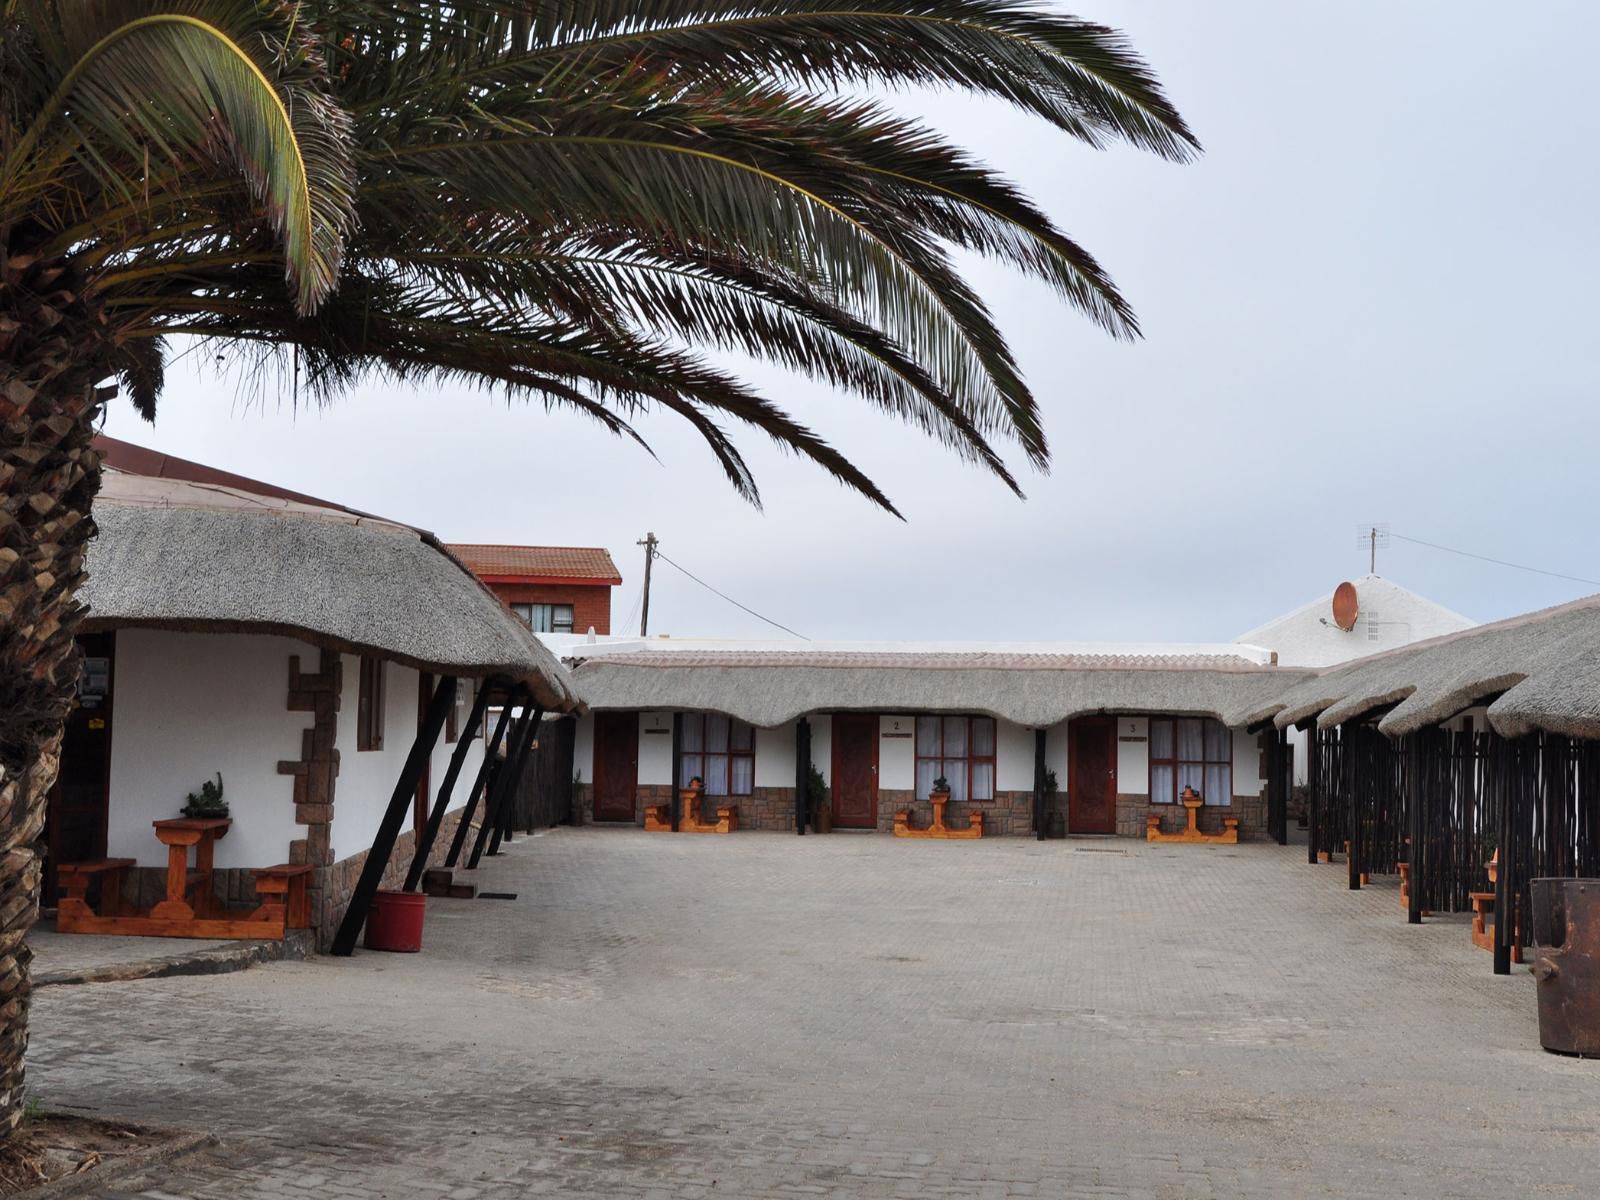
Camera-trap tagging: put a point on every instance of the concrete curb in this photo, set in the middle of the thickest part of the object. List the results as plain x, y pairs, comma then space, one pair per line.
110, 1170
219, 960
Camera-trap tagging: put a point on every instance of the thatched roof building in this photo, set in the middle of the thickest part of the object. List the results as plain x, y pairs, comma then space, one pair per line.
771, 687
1539, 671
182, 555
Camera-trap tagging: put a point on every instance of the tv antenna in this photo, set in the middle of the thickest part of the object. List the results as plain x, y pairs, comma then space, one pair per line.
1374, 535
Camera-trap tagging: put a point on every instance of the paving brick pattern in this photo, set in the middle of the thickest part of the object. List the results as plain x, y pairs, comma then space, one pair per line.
663, 1018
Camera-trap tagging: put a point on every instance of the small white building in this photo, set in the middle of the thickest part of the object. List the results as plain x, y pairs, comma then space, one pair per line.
1382, 616
291, 647
1121, 729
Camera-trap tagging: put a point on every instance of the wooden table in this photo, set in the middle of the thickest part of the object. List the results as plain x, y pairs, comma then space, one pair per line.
189, 896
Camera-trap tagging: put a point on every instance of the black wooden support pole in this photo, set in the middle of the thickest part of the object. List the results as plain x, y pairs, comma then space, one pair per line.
1040, 819
400, 802
1274, 784
430, 832
484, 772
1313, 790
1421, 746
508, 799
1505, 783
675, 796
1355, 784
802, 773
1285, 785
504, 781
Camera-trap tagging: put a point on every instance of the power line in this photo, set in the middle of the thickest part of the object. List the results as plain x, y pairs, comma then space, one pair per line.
728, 598
1499, 562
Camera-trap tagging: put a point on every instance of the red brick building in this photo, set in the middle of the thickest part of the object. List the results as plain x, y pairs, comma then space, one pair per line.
555, 589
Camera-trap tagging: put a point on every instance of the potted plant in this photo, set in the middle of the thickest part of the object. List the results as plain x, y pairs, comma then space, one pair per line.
1489, 843
208, 801
940, 789
817, 801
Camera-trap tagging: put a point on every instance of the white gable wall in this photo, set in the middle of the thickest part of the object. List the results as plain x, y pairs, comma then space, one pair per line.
187, 705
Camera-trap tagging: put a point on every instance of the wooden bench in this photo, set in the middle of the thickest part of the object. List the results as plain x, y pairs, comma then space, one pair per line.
75, 880
658, 817
1483, 932
281, 895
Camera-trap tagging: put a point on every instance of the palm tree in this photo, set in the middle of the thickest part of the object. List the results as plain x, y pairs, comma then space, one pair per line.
573, 200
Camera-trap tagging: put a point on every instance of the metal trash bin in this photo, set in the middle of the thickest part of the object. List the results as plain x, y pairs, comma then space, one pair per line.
1566, 964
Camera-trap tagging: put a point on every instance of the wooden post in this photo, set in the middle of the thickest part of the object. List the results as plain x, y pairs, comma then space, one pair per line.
1355, 782
1285, 785
516, 751
400, 802
1502, 766
508, 800
675, 805
802, 773
1313, 789
1418, 747
419, 859
1040, 820
484, 772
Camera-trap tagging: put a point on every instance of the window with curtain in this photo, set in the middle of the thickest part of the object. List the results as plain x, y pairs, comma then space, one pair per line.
545, 618
721, 751
962, 750
1192, 752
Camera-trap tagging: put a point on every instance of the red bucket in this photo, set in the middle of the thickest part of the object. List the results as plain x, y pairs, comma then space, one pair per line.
394, 922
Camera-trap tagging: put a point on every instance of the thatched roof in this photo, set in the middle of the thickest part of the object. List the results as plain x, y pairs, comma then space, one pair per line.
769, 687
1544, 667
173, 554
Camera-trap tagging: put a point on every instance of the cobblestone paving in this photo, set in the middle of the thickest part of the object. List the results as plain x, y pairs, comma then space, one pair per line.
659, 1018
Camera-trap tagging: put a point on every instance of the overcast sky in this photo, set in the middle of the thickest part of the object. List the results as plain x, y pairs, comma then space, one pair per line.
1373, 299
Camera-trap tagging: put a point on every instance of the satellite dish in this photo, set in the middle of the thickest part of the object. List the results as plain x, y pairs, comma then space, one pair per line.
1345, 606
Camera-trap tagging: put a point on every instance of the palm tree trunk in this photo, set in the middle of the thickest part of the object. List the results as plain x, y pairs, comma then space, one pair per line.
54, 347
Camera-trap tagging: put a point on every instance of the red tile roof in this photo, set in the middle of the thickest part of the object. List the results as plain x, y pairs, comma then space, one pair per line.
589, 564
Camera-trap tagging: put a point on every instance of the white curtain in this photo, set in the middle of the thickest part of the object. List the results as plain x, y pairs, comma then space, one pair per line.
983, 781
927, 768
716, 775
1219, 783
1161, 739
955, 772
955, 737
693, 764
692, 727
1161, 780
928, 737
743, 775
716, 734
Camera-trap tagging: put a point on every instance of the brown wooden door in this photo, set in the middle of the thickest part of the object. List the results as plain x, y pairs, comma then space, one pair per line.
75, 814
616, 765
1092, 775
855, 771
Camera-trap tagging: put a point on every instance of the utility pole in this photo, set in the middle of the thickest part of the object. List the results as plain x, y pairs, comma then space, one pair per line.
649, 545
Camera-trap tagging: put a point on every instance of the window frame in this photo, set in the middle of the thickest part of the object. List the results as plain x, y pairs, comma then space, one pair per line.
969, 758
734, 724
523, 610
370, 703
1177, 762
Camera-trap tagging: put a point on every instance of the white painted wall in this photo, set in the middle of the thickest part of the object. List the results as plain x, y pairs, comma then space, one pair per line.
367, 777
1247, 779
775, 756
1055, 755
655, 748
897, 755
1013, 757
822, 745
187, 705
583, 748
1133, 758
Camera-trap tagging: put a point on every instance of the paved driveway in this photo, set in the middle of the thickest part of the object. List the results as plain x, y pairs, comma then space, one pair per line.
760, 1015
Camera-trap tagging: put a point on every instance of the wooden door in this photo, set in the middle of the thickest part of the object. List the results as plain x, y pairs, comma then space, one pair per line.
855, 771
75, 814
1092, 775
616, 765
